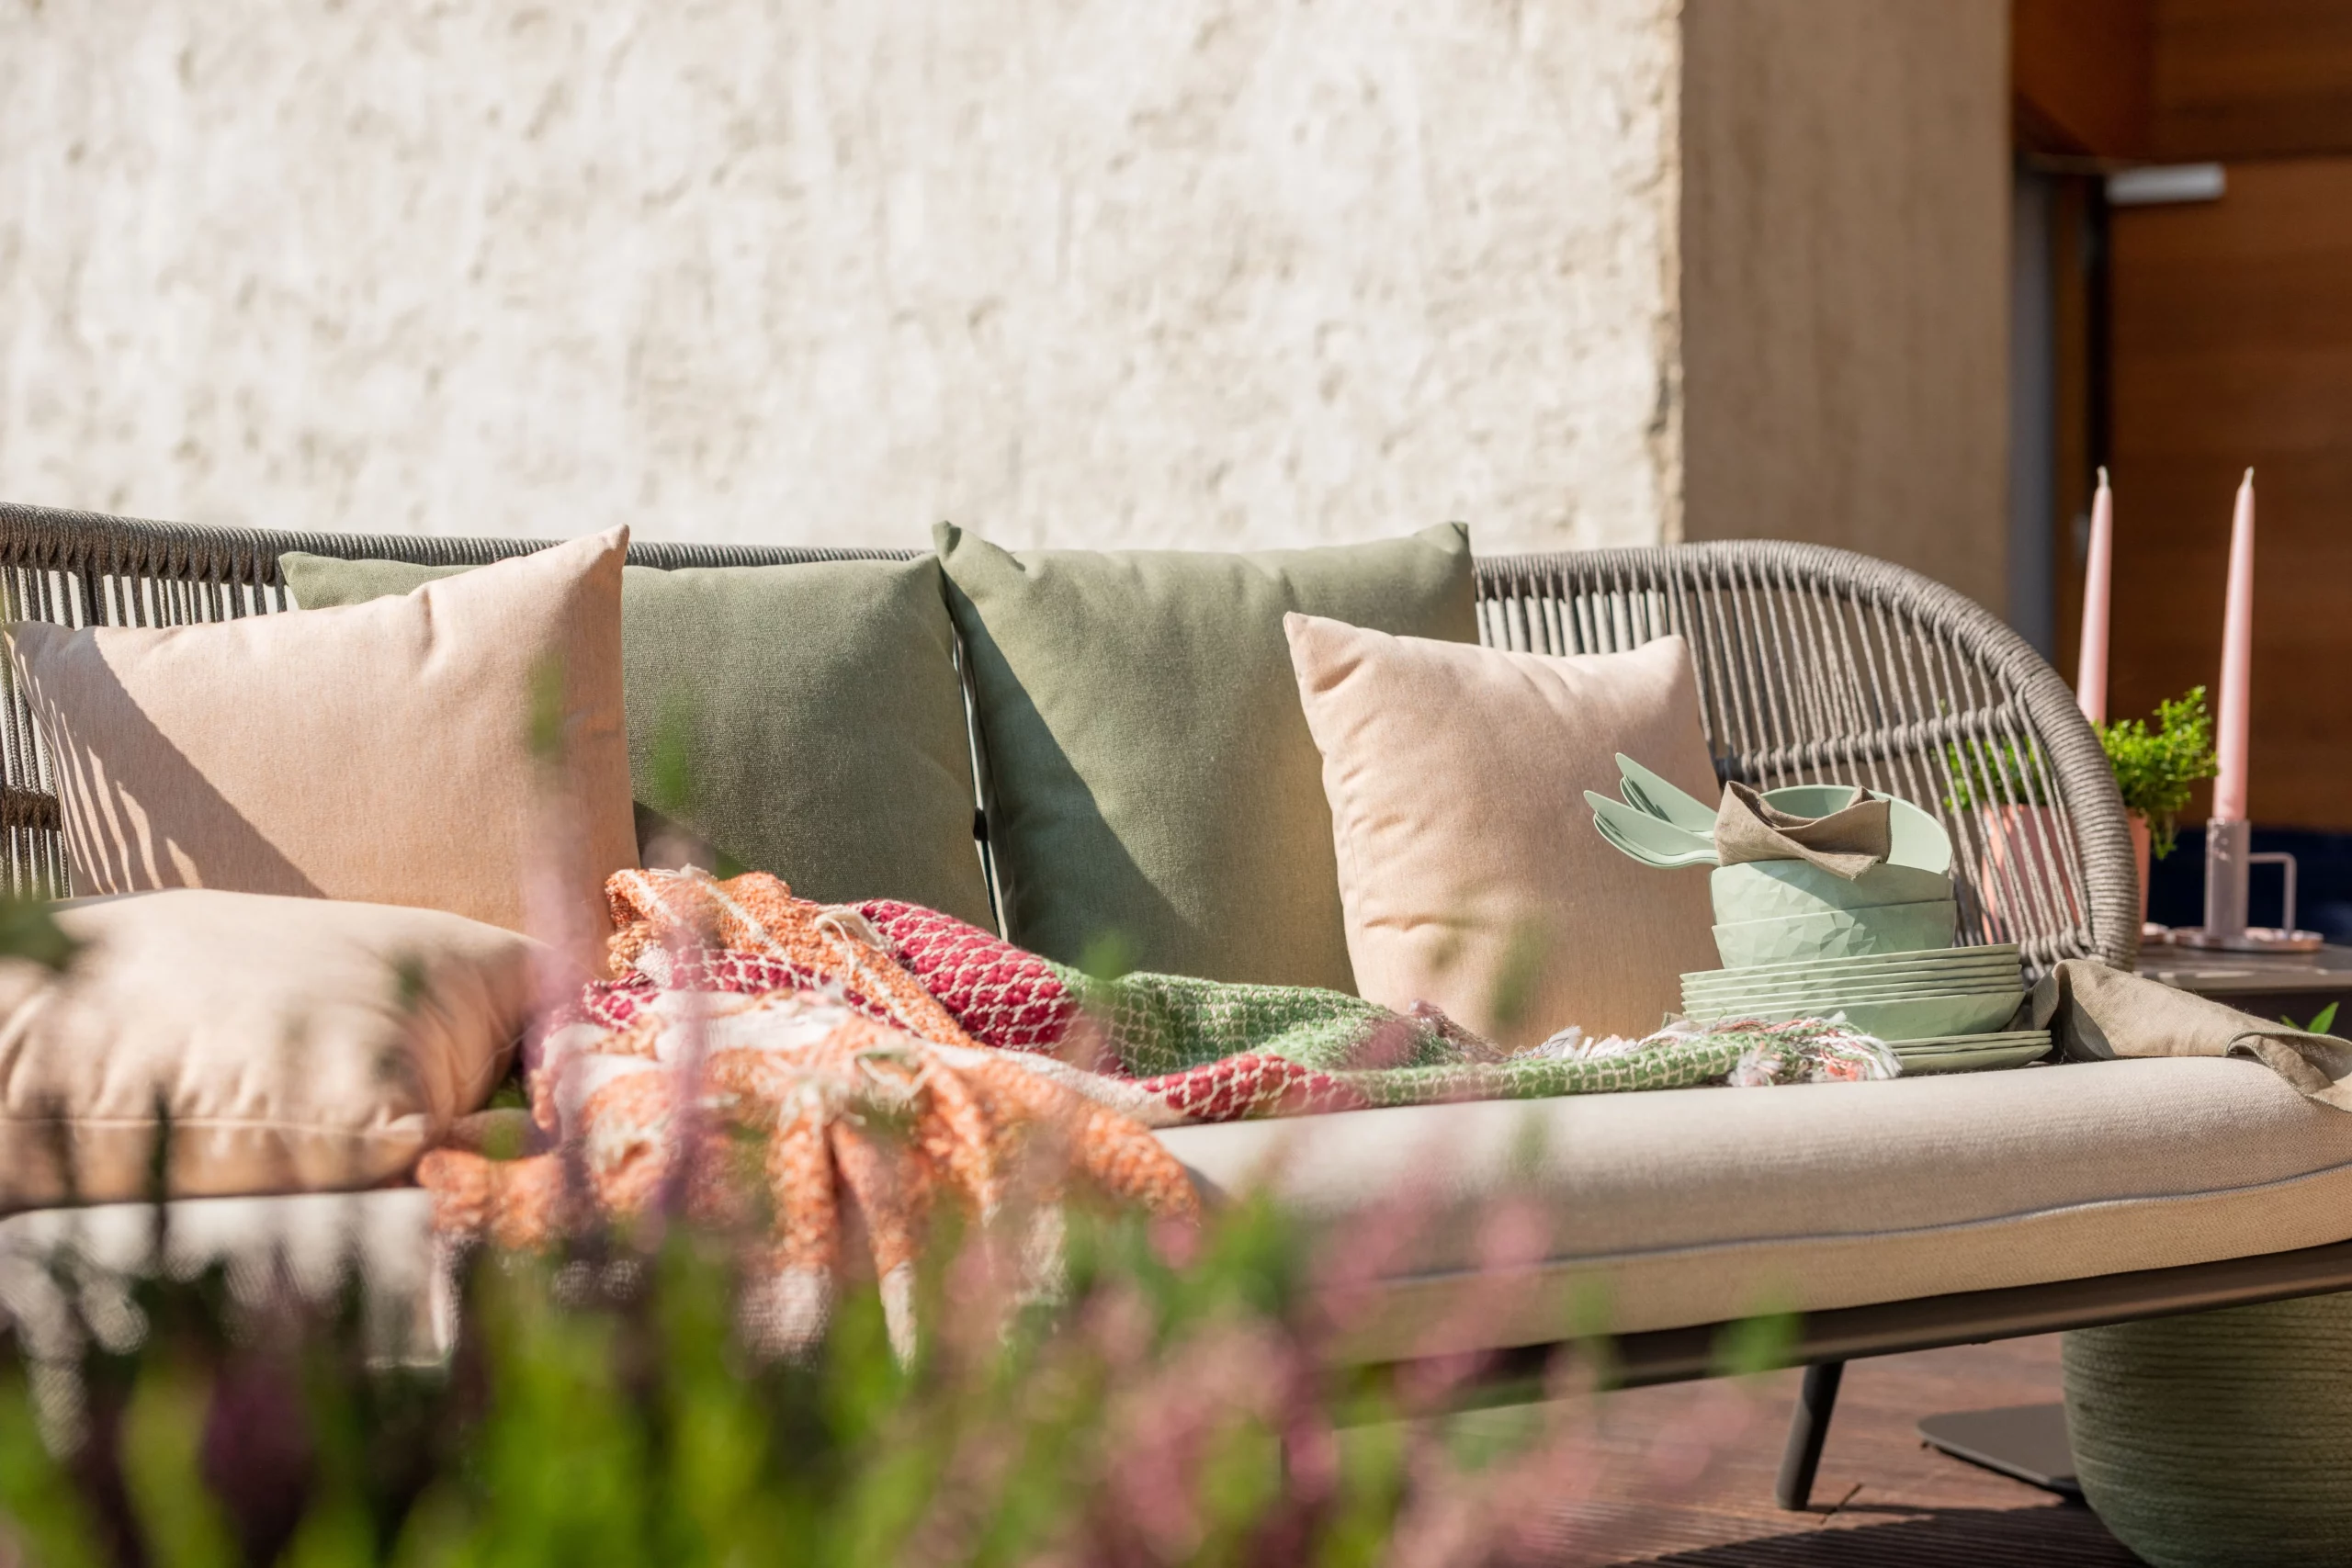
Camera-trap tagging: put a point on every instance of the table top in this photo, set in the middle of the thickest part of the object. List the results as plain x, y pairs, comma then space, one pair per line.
2244, 973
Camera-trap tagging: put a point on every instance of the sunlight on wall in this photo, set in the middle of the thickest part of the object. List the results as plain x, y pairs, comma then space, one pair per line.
1203, 272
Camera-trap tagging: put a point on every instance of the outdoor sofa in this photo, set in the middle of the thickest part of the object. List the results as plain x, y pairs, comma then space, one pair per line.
1884, 1216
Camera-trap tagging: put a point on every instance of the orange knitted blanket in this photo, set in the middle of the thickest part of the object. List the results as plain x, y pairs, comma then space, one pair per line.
841, 1099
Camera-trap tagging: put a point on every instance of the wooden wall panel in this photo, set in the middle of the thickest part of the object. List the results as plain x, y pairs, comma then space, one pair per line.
2081, 71
2251, 78
2233, 346
2182, 80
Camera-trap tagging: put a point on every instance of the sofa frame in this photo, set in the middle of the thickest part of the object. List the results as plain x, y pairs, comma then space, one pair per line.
1813, 663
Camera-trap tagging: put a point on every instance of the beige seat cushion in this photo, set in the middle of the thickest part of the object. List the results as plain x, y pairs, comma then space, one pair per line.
1470, 873
1659, 1211
381, 752
296, 1045
1694, 1206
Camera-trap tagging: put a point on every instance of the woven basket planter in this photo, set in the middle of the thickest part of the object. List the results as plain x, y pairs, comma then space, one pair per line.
2219, 1437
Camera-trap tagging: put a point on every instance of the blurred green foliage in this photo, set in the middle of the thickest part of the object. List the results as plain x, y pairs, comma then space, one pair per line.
1159, 1393
546, 737
600, 1407
1172, 1404
1109, 955
1511, 994
29, 931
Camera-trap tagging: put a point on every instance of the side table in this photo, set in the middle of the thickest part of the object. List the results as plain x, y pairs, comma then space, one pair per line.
2268, 985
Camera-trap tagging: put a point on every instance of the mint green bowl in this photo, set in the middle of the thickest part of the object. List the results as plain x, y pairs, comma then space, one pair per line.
1838, 933
1774, 889
1919, 838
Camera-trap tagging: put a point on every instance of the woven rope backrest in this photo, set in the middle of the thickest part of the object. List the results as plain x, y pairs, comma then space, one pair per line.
1813, 664
1819, 665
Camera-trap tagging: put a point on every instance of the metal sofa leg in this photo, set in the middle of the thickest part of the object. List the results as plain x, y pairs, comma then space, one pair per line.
1808, 1430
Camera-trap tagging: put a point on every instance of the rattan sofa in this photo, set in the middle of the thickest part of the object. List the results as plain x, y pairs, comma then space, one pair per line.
1890, 1216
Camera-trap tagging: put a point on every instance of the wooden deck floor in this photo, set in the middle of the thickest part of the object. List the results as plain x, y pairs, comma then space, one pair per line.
1683, 1475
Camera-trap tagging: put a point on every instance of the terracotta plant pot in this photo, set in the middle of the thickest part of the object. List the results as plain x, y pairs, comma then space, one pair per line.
2023, 868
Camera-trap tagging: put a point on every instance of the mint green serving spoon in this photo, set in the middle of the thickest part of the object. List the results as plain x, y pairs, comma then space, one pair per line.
1645, 836
1663, 861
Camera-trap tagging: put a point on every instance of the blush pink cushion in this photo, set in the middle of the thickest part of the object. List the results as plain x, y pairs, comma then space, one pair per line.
383, 753
296, 1045
1470, 873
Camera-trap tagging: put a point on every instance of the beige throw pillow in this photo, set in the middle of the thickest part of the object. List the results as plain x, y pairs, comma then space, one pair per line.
296, 1045
382, 752
1470, 871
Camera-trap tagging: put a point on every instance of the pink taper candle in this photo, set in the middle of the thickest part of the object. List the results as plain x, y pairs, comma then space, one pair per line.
2237, 664
2090, 673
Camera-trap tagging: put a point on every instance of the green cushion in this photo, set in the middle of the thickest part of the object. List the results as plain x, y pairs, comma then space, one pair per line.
805, 719
1155, 792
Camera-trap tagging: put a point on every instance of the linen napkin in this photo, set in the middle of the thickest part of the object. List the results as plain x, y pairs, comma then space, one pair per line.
2097, 1013
1845, 844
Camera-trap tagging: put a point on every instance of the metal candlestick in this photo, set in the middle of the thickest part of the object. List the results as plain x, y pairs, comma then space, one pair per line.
2226, 846
2229, 856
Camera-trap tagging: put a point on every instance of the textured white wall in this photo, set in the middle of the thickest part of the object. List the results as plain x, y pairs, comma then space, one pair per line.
1196, 272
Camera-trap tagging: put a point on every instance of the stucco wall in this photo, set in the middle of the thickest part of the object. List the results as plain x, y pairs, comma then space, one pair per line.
1080, 271
1846, 190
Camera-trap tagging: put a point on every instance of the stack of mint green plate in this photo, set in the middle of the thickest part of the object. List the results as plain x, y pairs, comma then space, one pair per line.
1967, 1053
1942, 1009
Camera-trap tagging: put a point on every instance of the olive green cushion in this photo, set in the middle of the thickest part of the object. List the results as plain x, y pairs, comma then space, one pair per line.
1156, 794
804, 720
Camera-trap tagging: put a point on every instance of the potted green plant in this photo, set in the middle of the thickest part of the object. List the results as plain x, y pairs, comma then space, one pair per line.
2157, 768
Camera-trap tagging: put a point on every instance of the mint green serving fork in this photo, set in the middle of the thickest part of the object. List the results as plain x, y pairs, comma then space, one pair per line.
1647, 793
